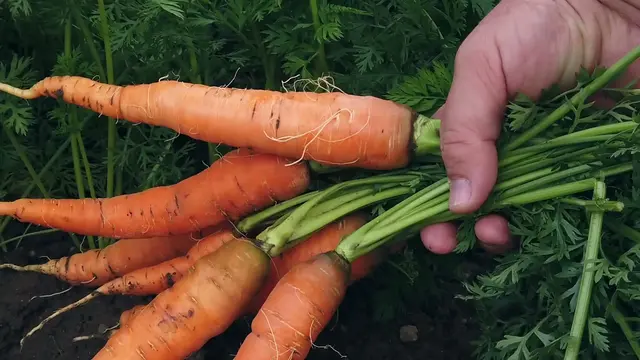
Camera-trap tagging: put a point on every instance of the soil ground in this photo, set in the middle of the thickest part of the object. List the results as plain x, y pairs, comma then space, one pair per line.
444, 331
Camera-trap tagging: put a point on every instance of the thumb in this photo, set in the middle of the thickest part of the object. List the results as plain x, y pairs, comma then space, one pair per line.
471, 123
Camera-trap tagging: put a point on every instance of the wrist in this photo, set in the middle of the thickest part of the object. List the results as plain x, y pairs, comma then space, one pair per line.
628, 9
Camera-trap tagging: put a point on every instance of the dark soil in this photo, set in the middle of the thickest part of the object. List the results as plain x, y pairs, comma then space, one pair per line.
444, 330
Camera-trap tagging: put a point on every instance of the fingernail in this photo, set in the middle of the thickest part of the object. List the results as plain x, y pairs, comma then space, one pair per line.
460, 192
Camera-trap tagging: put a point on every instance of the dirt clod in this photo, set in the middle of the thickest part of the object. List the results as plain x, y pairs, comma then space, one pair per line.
408, 333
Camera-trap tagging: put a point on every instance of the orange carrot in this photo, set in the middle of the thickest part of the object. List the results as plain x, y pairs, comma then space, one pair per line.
239, 183
297, 310
98, 266
218, 289
127, 315
330, 128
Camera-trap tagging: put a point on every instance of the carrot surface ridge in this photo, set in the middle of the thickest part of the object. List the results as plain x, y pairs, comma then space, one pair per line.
239, 183
331, 128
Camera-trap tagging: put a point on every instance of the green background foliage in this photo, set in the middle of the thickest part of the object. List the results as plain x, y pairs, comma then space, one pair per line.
401, 50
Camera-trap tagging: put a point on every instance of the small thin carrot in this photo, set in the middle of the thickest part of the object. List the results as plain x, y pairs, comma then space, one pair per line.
99, 266
239, 183
332, 128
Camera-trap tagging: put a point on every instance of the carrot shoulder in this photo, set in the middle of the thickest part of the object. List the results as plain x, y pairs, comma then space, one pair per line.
239, 183
331, 128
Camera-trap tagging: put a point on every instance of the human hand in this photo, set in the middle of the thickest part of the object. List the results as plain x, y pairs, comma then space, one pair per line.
522, 46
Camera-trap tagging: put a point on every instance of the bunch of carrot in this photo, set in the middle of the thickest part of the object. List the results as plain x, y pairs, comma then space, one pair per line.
267, 244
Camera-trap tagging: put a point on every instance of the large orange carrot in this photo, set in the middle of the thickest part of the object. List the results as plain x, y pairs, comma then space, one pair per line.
331, 128
218, 289
98, 266
239, 183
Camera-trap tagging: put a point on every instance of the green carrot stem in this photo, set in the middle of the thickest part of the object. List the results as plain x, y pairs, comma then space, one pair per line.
431, 203
552, 144
523, 179
339, 200
308, 227
524, 169
597, 131
88, 37
75, 135
87, 167
35, 180
317, 27
424, 197
111, 127
426, 136
319, 168
253, 220
622, 229
26, 162
355, 245
536, 182
421, 198
32, 172
600, 133
590, 89
35, 233
619, 318
588, 273
533, 156
274, 238
546, 194
612, 170
594, 205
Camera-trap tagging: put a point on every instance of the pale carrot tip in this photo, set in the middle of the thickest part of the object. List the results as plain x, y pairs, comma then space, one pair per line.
7, 208
26, 94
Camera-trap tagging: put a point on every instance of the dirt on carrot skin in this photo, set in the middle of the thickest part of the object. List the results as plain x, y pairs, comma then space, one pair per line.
443, 332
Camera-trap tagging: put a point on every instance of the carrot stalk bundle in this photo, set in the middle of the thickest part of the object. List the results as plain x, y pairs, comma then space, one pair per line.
239, 183
98, 266
221, 285
330, 128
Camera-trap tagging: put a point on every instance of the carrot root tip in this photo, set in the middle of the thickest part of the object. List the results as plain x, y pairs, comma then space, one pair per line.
59, 312
26, 94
